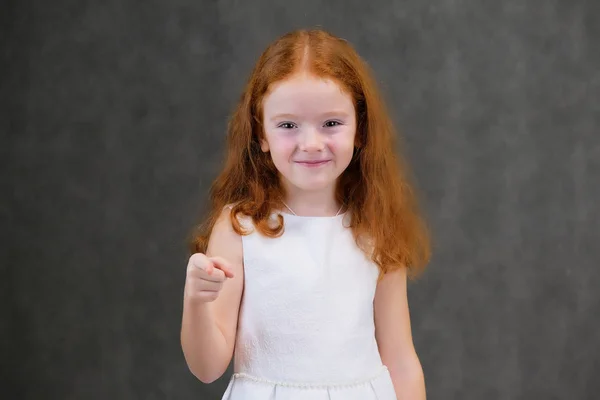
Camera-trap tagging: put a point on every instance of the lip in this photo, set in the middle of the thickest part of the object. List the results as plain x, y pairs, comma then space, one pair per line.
313, 163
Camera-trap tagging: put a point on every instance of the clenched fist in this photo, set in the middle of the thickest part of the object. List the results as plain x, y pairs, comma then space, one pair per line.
205, 277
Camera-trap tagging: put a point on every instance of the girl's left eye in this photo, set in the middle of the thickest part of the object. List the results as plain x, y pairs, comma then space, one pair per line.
286, 125
331, 124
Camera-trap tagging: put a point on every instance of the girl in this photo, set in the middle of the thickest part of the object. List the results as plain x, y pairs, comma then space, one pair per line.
299, 272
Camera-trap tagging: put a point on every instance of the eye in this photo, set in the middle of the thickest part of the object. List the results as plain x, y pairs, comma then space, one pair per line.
286, 125
331, 124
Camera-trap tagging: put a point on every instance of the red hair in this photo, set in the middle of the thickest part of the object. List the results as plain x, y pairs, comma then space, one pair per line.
375, 186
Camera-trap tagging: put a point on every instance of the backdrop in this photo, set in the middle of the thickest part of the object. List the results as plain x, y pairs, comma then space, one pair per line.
113, 119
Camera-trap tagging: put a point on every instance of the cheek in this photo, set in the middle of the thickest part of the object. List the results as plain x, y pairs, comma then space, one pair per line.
344, 147
281, 148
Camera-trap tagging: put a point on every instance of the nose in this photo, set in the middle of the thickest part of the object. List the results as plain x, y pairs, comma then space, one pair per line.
311, 140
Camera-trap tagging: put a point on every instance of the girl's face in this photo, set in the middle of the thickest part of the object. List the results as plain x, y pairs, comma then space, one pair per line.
309, 127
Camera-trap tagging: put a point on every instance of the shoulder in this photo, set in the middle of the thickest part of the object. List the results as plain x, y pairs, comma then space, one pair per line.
223, 223
224, 240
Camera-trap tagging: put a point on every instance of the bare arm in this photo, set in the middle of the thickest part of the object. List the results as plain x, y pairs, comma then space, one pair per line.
209, 324
394, 337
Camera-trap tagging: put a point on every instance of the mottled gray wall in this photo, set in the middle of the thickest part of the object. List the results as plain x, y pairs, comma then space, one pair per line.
113, 115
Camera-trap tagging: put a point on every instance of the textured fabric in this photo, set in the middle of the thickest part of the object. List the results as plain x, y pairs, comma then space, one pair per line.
242, 386
306, 328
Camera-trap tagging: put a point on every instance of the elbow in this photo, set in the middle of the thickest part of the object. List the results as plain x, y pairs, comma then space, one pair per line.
205, 372
206, 376
409, 368
207, 365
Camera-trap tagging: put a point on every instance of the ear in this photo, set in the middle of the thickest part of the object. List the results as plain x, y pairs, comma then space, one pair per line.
264, 145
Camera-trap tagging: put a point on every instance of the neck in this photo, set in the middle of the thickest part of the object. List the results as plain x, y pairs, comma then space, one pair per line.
316, 204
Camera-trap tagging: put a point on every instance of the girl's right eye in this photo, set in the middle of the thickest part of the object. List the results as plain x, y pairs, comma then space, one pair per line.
286, 125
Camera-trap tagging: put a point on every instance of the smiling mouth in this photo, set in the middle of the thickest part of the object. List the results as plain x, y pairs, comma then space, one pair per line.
317, 163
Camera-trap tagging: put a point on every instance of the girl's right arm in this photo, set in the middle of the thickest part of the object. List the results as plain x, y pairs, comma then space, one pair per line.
213, 291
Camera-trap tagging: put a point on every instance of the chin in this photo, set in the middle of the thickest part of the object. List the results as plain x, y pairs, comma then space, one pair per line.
313, 186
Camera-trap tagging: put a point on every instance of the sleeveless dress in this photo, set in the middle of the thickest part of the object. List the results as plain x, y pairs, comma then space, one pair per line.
306, 329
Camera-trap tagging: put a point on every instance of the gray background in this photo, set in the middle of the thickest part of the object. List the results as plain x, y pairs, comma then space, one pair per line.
113, 117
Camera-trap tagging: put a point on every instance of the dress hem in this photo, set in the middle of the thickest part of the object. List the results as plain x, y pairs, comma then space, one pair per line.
308, 385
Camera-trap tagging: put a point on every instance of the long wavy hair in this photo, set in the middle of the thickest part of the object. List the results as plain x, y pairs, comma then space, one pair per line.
375, 186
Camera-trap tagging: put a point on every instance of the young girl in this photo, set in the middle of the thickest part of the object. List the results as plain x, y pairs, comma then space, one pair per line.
300, 271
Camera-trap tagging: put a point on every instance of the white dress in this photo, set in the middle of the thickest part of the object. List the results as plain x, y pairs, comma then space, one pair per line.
306, 328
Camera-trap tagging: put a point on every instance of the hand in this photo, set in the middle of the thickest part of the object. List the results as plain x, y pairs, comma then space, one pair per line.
205, 277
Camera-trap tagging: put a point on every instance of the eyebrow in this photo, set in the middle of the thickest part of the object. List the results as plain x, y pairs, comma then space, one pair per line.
325, 115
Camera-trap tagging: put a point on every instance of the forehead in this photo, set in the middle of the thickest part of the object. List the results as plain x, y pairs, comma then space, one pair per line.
304, 91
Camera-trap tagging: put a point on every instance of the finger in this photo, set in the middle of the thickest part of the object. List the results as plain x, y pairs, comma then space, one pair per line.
216, 276
202, 262
223, 265
207, 296
209, 267
209, 286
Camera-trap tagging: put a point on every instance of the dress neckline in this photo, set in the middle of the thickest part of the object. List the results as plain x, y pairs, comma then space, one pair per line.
314, 217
